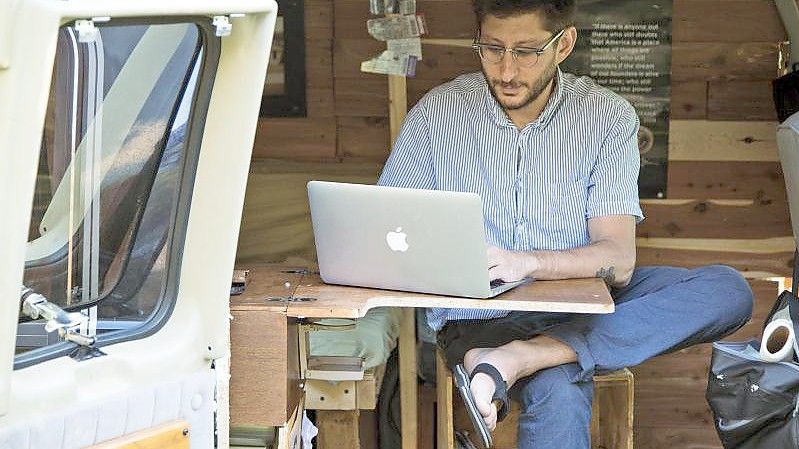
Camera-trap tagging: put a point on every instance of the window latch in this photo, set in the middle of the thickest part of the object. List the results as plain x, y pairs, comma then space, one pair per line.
37, 307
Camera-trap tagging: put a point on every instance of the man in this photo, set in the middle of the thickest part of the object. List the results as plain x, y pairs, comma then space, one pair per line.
555, 159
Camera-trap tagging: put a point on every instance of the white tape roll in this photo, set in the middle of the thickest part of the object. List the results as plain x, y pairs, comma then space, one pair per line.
778, 341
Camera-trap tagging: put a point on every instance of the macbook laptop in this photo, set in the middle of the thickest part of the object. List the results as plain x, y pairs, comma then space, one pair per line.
426, 241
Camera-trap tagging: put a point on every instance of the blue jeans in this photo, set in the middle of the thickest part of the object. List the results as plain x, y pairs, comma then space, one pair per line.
663, 309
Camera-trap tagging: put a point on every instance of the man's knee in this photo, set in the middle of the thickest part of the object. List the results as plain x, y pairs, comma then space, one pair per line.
552, 389
733, 295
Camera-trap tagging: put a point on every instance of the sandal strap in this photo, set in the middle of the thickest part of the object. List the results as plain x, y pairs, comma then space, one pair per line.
500, 389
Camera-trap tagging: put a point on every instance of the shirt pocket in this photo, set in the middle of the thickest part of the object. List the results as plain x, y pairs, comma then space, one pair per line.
567, 205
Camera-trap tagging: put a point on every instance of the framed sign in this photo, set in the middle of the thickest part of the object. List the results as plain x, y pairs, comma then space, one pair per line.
284, 88
625, 45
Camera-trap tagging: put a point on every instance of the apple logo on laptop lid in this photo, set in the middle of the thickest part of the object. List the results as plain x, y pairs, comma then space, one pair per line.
396, 240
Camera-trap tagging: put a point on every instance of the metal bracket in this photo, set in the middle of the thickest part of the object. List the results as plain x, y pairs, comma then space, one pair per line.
331, 368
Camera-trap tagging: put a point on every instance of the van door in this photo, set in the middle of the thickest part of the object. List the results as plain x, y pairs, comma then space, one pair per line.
126, 130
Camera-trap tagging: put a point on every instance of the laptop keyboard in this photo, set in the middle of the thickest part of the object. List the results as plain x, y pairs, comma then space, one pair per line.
496, 283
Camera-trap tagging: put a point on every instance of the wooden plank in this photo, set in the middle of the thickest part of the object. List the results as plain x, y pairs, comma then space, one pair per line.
338, 429
700, 140
397, 104
276, 221
741, 101
365, 138
320, 99
722, 61
306, 138
672, 402
408, 380
171, 435
588, 295
445, 432
612, 415
319, 18
712, 21
767, 257
689, 100
263, 348
356, 97
683, 438
714, 219
368, 97
726, 180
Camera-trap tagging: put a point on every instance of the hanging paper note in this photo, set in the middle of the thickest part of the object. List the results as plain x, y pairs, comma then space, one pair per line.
395, 27
411, 47
389, 63
407, 7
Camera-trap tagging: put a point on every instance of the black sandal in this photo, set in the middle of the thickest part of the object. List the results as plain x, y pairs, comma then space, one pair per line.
500, 398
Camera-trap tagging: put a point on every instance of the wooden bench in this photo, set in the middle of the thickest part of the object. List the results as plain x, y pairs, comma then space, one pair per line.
611, 415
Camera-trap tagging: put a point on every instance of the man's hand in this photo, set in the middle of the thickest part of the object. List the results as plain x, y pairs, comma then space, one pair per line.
508, 265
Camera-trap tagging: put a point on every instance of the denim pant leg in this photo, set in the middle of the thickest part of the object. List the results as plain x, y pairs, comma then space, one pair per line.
555, 412
662, 310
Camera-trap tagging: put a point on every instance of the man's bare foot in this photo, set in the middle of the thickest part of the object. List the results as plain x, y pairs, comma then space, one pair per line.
482, 385
514, 361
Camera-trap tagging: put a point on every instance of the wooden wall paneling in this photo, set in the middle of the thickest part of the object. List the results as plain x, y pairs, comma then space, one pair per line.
689, 100
319, 95
296, 138
701, 140
677, 438
362, 97
726, 21
319, 58
364, 138
723, 61
276, 222
741, 101
726, 180
760, 257
734, 219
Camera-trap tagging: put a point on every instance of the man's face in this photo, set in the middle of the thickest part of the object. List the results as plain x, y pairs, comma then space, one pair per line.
513, 85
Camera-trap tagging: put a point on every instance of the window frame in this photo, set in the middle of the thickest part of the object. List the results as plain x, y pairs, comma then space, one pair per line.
211, 47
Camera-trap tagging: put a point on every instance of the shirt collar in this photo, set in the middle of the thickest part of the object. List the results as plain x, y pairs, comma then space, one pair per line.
499, 116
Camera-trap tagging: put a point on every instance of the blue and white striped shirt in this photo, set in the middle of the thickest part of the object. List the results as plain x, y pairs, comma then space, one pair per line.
539, 185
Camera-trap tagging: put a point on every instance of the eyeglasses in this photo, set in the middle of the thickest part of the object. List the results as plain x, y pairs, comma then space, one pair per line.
524, 56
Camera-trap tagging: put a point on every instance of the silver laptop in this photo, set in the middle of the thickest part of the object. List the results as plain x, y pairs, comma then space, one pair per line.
426, 241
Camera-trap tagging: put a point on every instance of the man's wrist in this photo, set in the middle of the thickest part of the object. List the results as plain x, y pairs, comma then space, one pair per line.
533, 264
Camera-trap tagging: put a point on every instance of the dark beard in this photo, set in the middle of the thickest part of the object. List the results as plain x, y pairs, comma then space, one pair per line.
534, 91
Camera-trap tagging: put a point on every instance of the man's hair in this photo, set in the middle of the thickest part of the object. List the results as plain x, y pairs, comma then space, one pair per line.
557, 14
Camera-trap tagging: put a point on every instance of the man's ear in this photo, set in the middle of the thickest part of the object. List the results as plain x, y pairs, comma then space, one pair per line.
566, 44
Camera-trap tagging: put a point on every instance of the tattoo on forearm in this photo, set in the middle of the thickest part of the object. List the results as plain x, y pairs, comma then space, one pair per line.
607, 274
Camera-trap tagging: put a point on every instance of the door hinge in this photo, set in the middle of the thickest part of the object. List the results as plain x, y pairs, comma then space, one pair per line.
222, 24
87, 31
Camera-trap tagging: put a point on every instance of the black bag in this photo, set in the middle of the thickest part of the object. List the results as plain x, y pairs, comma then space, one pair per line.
755, 403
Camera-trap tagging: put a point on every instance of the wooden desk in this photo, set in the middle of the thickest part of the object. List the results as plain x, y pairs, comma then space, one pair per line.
331, 301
